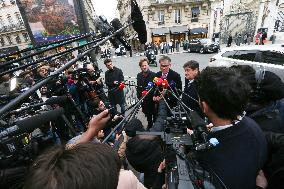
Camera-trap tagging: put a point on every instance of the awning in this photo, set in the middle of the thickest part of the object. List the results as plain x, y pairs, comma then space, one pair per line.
179, 29
195, 10
198, 31
160, 31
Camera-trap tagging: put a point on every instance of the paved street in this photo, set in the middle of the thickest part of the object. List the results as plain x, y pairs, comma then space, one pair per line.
129, 65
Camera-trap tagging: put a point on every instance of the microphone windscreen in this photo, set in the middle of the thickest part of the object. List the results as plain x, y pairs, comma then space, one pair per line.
116, 24
31, 123
139, 24
56, 100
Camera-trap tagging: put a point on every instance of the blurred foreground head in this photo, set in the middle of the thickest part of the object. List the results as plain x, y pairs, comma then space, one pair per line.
224, 91
85, 166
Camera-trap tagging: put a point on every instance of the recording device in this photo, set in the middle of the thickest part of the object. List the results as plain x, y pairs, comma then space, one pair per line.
109, 28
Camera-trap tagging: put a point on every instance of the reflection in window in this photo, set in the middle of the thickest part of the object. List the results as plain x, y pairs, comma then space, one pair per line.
246, 55
229, 54
273, 57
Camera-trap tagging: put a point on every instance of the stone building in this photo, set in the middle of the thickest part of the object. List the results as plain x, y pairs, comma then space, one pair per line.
175, 20
13, 34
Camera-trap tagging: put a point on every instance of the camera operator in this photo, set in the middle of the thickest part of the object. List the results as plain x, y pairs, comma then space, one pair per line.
143, 78
241, 152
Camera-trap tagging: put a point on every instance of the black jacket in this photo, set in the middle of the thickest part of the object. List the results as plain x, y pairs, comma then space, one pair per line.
172, 77
239, 156
148, 105
115, 95
190, 90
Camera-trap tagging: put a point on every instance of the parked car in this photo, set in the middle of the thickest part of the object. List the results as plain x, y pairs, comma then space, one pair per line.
120, 51
270, 57
203, 46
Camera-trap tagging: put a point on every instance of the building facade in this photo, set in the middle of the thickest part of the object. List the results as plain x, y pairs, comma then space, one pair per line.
171, 20
90, 14
13, 34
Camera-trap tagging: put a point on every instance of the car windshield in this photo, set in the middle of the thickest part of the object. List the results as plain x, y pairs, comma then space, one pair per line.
205, 41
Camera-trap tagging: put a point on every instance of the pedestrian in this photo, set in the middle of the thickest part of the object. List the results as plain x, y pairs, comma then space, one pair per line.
249, 39
113, 78
245, 39
171, 45
162, 48
230, 39
177, 45
143, 78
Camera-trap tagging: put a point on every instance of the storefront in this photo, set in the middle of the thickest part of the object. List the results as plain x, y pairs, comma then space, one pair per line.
178, 33
159, 35
197, 33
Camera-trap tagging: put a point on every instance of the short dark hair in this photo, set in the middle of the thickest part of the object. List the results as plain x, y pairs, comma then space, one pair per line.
165, 58
143, 60
224, 91
191, 64
108, 60
86, 165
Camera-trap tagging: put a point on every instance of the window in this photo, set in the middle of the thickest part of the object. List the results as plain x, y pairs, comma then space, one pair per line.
272, 57
1, 22
160, 1
245, 55
10, 20
2, 42
177, 13
9, 40
18, 39
161, 16
19, 18
229, 54
26, 36
195, 14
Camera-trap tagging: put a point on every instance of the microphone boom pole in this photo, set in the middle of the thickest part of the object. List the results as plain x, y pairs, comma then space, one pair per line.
54, 56
38, 85
40, 46
41, 51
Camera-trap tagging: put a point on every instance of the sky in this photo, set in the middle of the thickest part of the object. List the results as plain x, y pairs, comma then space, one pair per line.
106, 8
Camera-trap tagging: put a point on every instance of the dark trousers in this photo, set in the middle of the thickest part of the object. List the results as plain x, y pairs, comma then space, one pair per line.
150, 119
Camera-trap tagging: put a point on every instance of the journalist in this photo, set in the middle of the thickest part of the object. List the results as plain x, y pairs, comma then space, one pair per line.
241, 151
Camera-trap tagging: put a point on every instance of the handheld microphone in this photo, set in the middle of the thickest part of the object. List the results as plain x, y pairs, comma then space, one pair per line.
29, 124
139, 24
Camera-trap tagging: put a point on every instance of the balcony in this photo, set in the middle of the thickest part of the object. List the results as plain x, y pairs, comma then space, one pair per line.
160, 23
194, 19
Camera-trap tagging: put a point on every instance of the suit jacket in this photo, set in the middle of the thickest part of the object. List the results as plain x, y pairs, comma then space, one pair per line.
148, 106
190, 90
172, 77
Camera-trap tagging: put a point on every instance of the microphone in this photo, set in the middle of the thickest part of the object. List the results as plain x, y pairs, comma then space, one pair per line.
56, 100
29, 124
207, 145
139, 24
116, 24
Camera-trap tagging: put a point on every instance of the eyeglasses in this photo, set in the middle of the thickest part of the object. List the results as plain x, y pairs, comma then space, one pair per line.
165, 65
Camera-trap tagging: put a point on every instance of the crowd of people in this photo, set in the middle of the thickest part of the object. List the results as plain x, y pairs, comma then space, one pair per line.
244, 109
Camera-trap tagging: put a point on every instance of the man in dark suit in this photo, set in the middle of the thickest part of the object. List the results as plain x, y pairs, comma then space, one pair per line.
113, 77
172, 77
143, 78
190, 95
